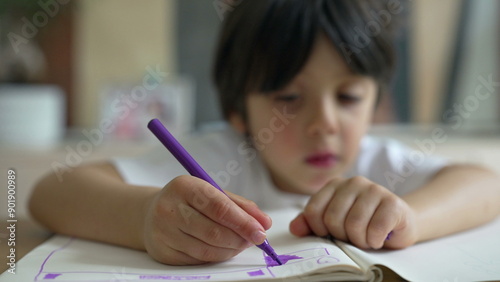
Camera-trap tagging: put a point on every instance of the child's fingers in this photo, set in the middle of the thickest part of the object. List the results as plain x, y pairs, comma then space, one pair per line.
252, 209
178, 230
212, 233
174, 257
382, 222
360, 214
203, 252
315, 209
228, 214
165, 253
183, 249
299, 226
337, 211
221, 209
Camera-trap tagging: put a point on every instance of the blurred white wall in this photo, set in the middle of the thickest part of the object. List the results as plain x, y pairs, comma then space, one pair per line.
434, 25
479, 100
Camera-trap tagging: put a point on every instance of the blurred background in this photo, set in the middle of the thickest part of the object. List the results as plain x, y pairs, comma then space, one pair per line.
75, 74
72, 65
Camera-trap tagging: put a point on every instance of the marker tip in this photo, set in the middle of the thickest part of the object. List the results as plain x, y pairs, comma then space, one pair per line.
279, 261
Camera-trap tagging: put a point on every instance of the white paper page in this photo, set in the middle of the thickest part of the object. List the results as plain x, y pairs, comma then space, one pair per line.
68, 259
472, 255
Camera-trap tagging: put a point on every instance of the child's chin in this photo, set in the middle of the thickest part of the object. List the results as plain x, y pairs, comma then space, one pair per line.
311, 189
304, 189
317, 185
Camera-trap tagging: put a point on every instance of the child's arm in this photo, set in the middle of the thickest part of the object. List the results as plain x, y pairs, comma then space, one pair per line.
459, 197
186, 222
357, 210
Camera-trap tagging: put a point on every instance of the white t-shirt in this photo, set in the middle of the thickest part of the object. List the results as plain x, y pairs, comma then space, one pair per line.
235, 166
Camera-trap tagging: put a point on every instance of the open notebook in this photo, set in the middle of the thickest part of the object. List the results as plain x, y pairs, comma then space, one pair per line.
469, 256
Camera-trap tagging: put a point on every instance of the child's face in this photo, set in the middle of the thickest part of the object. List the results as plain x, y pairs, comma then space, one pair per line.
310, 131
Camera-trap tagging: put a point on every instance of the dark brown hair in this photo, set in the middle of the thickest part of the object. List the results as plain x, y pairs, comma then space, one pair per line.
263, 44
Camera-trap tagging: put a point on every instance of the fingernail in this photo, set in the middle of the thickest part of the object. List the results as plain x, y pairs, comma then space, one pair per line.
258, 237
270, 219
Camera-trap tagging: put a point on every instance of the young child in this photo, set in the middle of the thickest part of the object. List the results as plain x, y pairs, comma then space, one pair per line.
299, 92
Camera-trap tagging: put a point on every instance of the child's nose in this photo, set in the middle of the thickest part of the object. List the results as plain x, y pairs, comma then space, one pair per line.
323, 120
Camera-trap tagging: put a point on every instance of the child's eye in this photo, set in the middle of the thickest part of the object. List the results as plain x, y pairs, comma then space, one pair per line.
287, 98
348, 99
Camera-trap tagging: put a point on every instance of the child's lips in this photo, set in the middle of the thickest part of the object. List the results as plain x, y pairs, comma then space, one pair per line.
322, 160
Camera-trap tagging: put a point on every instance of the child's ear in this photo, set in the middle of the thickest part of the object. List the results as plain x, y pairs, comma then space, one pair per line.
237, 123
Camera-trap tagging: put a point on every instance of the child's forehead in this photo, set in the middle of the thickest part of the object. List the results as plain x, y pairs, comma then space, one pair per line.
344, 80
325, 52
324, 60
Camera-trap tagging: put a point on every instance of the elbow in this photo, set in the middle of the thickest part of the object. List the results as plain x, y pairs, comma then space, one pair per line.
491, 186
37, 202
33, 201
496, 183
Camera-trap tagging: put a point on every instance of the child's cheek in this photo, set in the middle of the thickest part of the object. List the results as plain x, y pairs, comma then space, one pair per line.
289, 137
351, 141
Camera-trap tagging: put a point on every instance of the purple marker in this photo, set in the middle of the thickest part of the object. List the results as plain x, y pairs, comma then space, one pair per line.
194, 168
388, 236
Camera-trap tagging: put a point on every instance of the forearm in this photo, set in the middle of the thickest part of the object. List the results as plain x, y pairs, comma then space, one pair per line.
457, 198
94, 203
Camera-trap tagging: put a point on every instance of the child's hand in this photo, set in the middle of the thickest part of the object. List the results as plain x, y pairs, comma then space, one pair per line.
358, 211
191, 222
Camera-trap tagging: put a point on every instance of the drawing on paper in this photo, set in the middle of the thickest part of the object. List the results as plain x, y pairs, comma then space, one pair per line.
237, 269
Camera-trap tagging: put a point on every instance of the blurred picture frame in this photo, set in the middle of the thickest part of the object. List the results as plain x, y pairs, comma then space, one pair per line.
130, 107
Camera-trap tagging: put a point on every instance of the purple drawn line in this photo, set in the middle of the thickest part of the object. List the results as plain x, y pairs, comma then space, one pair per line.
270, 272
299, 251
104, 272
256, 273
47, 258
250, 269
327, 259
310, 249
163, 274
51, 276
319, 259
145, 274
174, 277
269, 267
283, 258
